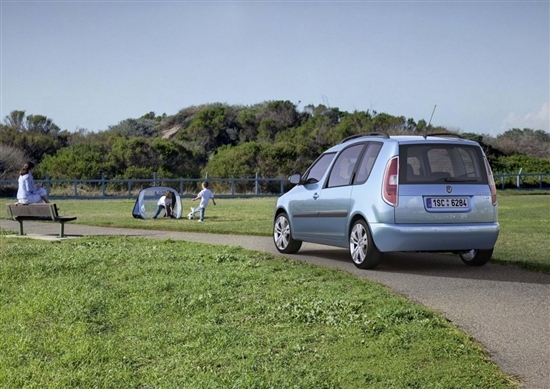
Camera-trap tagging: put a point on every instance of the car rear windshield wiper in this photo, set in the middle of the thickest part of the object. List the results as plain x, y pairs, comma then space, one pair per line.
453, 179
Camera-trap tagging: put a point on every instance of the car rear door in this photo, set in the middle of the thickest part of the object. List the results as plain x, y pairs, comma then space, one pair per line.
443, 183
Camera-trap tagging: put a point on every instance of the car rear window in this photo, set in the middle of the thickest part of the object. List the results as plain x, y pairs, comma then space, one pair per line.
441, 163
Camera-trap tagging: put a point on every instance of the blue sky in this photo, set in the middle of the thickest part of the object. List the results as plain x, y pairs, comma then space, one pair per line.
92, 64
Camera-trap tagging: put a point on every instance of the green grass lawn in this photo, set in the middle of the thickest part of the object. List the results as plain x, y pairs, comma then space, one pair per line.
524, 231
251, 216
122, 312
523, 241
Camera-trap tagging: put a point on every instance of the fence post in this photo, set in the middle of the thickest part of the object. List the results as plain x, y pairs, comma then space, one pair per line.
75, 188
518, 182
232, 186
102, 184
154, 178
256, 184
48, 184
282, 186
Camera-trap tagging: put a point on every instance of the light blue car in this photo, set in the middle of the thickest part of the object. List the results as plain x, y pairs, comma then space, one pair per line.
374, 193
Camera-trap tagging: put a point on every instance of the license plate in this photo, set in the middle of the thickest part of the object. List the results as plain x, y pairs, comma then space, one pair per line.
447, 202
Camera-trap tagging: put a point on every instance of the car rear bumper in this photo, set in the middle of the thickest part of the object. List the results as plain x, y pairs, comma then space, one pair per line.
425, 237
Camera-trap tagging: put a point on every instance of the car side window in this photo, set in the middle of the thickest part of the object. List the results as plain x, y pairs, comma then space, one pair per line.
342, 171
316, 171
367, 162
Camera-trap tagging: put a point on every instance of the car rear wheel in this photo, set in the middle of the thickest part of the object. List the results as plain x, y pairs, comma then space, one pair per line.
282, 236
476, 257
364, 254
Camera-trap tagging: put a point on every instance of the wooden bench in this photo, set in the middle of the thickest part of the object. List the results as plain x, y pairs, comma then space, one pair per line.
46, 212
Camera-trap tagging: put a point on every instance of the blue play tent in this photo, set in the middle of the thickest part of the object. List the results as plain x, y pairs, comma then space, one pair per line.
146, 202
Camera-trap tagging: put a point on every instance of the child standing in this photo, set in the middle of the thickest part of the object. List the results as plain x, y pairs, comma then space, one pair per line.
204, 195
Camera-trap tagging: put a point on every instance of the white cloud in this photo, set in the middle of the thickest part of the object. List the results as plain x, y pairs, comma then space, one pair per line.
538, 120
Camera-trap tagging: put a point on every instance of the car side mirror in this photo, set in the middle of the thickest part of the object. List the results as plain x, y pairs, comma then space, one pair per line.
294, 179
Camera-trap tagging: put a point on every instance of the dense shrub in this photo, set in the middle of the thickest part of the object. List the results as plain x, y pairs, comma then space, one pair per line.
272, 138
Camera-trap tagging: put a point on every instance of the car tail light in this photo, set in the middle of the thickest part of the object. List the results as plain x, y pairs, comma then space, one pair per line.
390, 187
491, 183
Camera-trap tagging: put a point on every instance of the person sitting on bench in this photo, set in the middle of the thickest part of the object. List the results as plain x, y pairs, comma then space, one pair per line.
29, 192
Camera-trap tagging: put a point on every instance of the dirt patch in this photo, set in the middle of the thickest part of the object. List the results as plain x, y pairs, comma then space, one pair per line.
170, 132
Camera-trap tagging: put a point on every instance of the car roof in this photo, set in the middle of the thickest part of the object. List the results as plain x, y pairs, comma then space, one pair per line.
431, 138
401, 139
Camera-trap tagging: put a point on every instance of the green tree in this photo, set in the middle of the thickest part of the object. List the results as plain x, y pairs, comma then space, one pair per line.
35, 135
388, 123
16, 120
136, 152
283, 114
280, 160
151, 116
535, 143
11, 161
267, 130
81, 161
513, 163
350, 124
211, 128
131, 128
247, 159
41, 124
234, 161
174, 159
248, 122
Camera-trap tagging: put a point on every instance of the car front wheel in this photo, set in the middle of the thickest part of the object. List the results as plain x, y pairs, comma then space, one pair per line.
282, 236
476, 257
364, 253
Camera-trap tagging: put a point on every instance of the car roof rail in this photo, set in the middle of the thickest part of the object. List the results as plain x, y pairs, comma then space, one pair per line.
444, 134
373, 133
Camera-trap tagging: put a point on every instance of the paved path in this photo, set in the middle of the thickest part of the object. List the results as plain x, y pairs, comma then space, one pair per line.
503, 307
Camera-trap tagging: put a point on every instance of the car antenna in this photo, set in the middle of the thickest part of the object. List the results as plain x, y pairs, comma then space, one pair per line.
426, 129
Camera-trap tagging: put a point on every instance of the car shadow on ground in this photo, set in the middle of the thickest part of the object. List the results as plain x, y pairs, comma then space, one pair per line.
430, 264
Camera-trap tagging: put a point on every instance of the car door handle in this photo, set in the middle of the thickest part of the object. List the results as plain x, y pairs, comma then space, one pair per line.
315, 196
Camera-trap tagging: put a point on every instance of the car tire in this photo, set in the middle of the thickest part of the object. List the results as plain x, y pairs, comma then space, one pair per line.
363, 251
476, 257
282, 236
